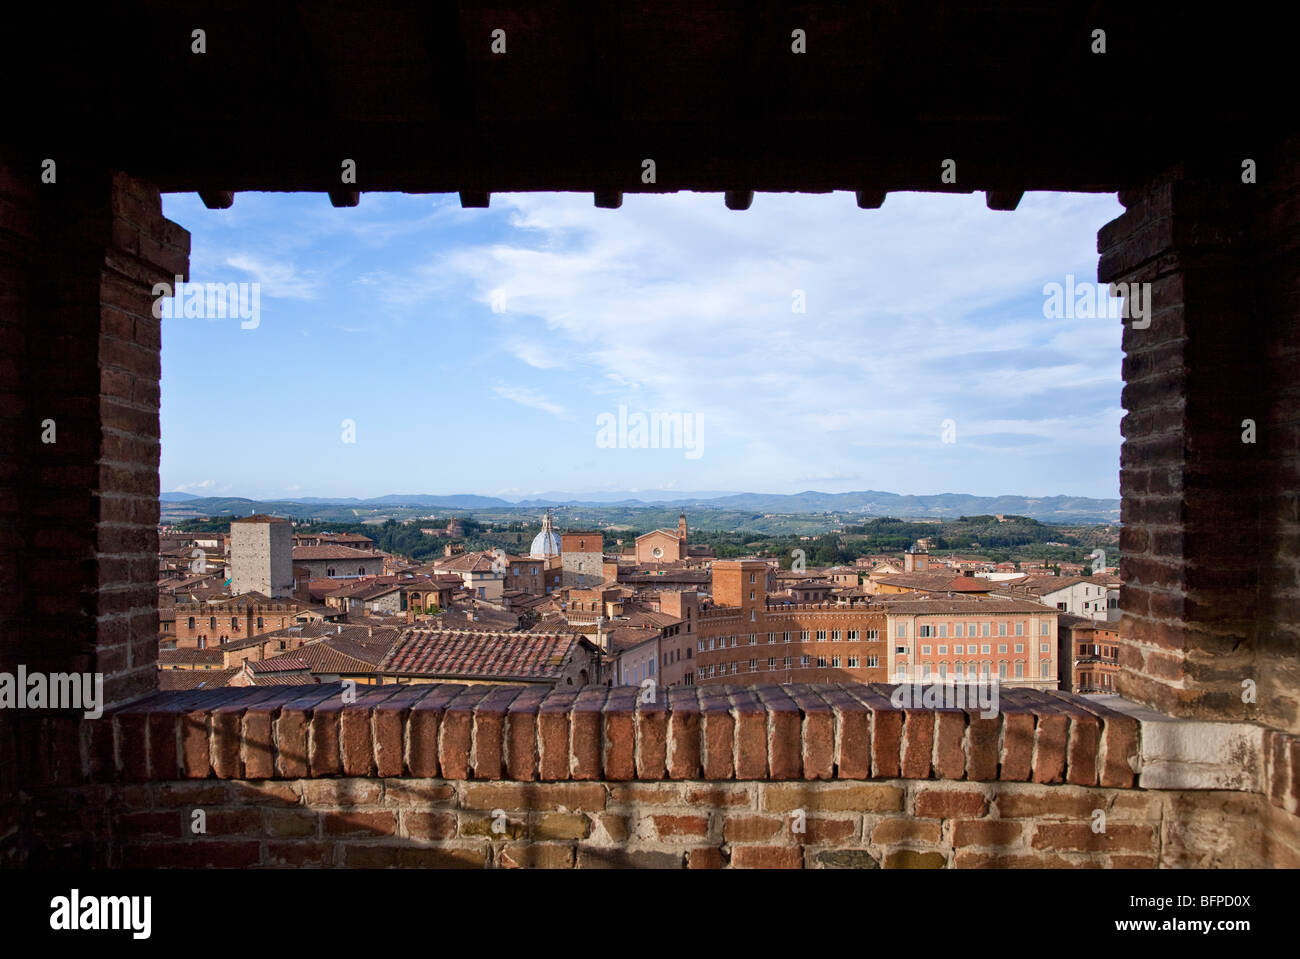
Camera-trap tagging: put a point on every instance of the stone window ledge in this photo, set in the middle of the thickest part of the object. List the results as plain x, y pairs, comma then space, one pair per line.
1198, 754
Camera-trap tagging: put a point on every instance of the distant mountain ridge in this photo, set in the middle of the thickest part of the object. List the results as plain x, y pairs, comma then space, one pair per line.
867, 503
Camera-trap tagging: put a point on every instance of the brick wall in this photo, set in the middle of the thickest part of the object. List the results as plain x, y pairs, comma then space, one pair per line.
1210, 540
79, 346
420, 776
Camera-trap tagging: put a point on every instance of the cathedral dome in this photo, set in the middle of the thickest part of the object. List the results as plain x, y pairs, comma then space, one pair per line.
547, 542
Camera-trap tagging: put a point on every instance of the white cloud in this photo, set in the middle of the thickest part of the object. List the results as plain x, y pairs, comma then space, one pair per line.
277, 279
526, 396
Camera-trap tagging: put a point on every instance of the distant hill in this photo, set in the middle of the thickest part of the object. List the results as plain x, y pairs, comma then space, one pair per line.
1051, 509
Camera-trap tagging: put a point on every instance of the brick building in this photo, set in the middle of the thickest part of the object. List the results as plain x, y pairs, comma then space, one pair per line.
203, 625
742, 639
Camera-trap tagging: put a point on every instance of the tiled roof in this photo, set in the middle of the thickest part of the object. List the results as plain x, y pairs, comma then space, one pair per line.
185, 679
535, 656
285, 661
310, 553
467, 563
177, 657
963, 605
285, 679
259, 518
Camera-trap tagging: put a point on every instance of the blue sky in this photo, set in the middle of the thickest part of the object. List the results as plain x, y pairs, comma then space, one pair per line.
928, 309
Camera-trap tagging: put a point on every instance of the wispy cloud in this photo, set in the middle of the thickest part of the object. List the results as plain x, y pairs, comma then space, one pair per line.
531, 398
278, 279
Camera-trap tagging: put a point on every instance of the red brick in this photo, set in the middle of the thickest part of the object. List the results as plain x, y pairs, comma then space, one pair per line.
767, 857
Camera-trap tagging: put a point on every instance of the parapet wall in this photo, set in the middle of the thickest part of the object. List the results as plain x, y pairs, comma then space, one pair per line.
798, 776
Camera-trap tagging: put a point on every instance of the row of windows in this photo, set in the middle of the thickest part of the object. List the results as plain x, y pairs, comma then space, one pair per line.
851, 636
959, 669
960, 630
959, 648
805, 662
234, 622
1086, 649
637, 674
668, 656
1089, 681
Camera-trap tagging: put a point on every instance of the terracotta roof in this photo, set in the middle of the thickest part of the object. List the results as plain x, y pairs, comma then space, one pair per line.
275, 664
177, 657
285, 679
467, 562
963, 605
260, 518
310, 553
184, 679
530, 656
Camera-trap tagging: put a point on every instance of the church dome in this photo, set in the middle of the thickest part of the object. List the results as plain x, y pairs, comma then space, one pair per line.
547, 542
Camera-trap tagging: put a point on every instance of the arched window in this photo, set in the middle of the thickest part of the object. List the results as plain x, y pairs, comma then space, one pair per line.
329, 571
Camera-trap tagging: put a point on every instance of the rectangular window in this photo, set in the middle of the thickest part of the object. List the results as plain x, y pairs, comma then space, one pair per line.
853, 635
821, 635
711, 642
873, 634
1002, 629
1002, 670
924, 630
873, 662
925, 671
985, 648
943, 670
1045, 669
957, 631
1002, 647
1043, 628
1020, 647
943, 630
771, 663
925, 650
1020, 629
853, 662
753, 639
959, 650
835, 662
1044, 648
771, 638
785, 637
902, 631
803, 636
1020, 670
787, 662
986, 629
821, 662
943, 650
